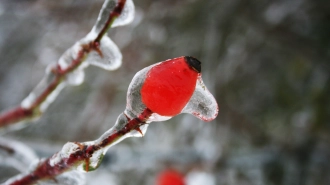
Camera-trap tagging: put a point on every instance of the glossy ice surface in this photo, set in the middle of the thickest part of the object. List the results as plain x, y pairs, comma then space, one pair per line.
169, 86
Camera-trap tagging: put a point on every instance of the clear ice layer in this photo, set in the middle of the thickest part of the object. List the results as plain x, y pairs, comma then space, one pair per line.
76, 77
96, 158
67, 178
41, 88
110, 59
18, 155
202, 103
68, 149
124, 18
134, 104
111, 56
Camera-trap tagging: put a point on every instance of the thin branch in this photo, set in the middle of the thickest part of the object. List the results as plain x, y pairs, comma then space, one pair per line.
15, 115
6, 148
16, 154
82, 153
113, 15
20, 113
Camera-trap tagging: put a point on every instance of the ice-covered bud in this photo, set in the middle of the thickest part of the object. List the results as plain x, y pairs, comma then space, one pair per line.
169, 88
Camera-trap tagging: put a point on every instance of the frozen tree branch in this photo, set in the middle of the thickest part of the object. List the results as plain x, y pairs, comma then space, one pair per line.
152, 84
156, 93
96, 49
16, 154
85, 156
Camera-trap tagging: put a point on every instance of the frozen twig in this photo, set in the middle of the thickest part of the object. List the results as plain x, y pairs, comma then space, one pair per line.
85, 156
69, 69
156, 93
16, 154
149, 86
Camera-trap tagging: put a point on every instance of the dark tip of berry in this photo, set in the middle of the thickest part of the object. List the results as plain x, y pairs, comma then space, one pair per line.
194, 63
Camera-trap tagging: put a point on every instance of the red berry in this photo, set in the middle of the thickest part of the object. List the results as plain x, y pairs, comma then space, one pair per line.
169, 85
170, 177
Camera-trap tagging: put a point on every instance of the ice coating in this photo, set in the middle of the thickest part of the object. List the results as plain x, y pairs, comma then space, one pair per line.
120, 124
157, 117
70, 54
99, 146
65, 152
168, 86
41, 88
96, 48
133, 122
110, 60
68, 178
136, 118
76, 77
70, 71
134, 104
111, 56
18, 155
202, 103
124, 18
93, 162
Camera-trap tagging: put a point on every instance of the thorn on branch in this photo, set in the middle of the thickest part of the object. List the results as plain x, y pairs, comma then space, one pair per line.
139, 130
96, 47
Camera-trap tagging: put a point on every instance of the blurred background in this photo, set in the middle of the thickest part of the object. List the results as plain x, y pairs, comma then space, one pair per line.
266, 62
